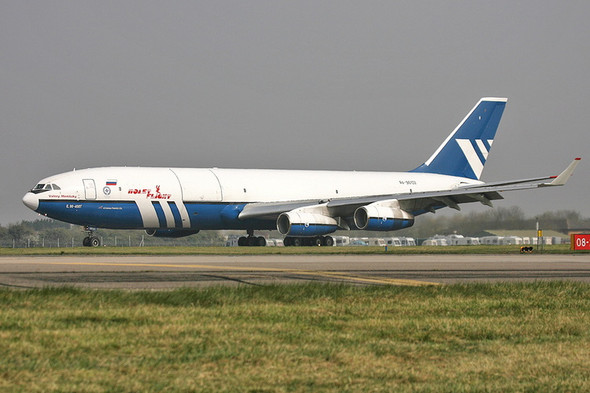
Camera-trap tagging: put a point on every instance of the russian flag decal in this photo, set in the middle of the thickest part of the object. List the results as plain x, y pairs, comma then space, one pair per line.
111, 182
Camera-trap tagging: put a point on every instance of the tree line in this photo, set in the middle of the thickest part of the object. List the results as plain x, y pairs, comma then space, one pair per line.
51, 233
477, 222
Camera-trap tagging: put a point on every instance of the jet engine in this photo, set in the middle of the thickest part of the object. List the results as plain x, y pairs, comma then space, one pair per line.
171, 232
299, 223
382, 216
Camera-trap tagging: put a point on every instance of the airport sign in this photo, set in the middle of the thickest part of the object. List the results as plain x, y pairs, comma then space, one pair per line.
580, 242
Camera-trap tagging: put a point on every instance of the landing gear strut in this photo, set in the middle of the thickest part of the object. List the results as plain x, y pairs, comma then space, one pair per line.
90, 240
251, 240
327, 241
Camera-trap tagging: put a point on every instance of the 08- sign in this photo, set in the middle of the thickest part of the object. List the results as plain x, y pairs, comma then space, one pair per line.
580, 242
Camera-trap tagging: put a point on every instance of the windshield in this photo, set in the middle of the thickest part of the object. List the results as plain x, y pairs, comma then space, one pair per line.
41, 187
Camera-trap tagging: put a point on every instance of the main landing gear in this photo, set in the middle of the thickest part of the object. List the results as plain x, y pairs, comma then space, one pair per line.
90, 240
251, 240
327, 241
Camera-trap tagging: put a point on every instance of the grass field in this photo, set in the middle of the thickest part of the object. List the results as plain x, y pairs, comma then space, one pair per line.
302, 338
556, 249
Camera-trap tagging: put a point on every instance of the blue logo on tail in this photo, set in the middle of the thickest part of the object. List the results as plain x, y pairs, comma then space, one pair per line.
465, 151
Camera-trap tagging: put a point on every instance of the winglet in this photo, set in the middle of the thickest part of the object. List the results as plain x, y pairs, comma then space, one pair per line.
565, 175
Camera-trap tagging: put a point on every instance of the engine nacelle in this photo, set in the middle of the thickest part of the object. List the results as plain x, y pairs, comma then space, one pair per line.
297, 223
171, 232
376, 217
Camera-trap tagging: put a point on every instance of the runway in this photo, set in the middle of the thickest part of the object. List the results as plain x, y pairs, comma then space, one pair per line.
166, 272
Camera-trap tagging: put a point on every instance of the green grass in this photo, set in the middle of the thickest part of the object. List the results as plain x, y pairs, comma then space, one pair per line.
300, 338
483, 249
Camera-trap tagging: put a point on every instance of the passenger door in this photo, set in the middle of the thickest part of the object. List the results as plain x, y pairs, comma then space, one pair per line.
89, 189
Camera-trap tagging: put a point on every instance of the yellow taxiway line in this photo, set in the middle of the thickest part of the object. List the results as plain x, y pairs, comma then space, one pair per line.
338, 275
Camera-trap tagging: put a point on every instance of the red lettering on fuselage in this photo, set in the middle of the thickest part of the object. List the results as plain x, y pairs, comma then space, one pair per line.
149, 194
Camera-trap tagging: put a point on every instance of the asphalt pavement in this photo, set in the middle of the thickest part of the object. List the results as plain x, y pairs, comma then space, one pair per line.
166, 272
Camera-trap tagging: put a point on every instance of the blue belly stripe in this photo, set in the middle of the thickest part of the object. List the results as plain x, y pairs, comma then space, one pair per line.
126, 215
100, 214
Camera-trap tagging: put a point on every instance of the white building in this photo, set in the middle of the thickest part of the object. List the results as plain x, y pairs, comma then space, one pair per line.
341, 241
407, 241
491, 240
393, 241
437, 240
511, 240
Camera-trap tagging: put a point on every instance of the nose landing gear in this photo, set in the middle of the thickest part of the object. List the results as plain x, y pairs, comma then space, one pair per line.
90, 240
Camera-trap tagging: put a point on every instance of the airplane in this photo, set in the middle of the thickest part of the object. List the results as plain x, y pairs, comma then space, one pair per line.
303, 205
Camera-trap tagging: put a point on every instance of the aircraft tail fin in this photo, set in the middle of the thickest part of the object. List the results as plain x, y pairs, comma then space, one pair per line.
465, 151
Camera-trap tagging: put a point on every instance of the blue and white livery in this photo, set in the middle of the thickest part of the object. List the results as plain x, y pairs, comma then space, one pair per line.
305, 206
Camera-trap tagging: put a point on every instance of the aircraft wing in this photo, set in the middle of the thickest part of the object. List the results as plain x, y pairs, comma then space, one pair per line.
417, 202
271, 210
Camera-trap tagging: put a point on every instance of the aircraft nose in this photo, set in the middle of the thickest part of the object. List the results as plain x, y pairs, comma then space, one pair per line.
31, 201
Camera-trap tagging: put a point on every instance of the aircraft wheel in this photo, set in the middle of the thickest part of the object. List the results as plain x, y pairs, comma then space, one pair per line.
318, 241
94, 241
297, 242
287, 242
86, 241
242, 241
328, 241
261, 241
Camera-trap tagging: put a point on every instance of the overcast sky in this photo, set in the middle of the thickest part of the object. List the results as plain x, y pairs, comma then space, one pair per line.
343, 85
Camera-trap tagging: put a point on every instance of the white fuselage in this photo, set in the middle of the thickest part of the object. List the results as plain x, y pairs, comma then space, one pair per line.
240, 185
193, 198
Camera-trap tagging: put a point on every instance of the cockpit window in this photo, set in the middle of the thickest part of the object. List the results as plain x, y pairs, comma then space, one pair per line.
42, 187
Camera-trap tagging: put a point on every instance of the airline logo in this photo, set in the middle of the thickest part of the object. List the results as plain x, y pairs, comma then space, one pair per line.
475, 160
149, 194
